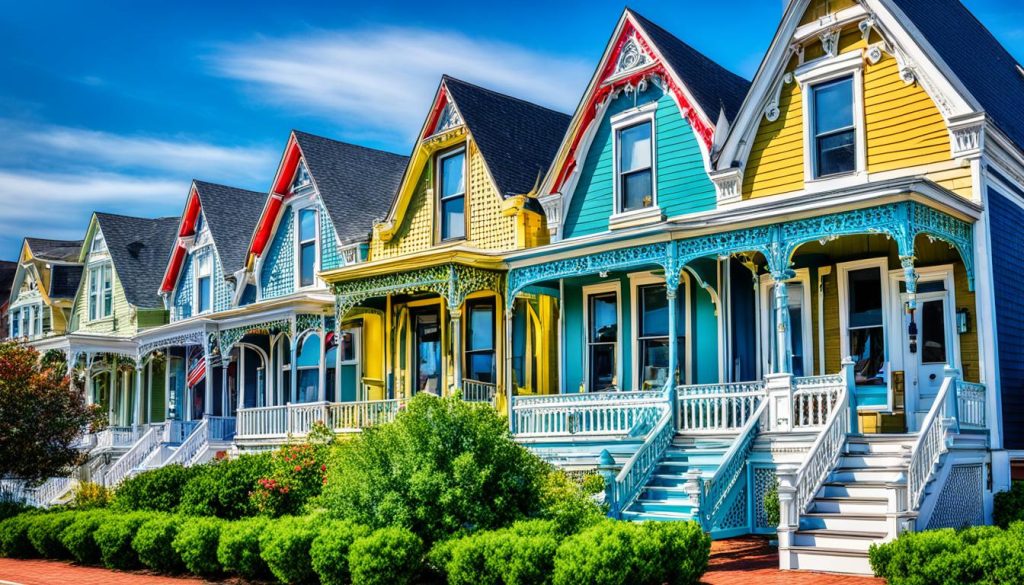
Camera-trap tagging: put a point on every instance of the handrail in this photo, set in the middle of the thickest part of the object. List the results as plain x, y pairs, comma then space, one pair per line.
715, 491
814, 398
824, 453
187, 451
535, 401
585, 418
136, 455
476, 391
51, 489
717, 407
930, 445
970, 404
638, 469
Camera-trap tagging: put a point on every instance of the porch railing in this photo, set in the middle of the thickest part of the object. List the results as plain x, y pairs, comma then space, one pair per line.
49, 491
814, 399
142, 448
638, 469
474, 391
116, 437
833, 392
597, 413
176, 431
714, 495
222, 428
931, 443
718, 407
351, 416
298, 419
187, 452
970, 404
263, 421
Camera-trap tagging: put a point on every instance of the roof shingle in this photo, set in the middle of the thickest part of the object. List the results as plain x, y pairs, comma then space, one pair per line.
139, 249
59, 250
231, 214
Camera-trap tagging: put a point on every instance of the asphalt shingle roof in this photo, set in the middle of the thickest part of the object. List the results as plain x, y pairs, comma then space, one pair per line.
713, 86
59, 250
64, 279
231, 214
517, 139
981, 63
357, 184
139, 248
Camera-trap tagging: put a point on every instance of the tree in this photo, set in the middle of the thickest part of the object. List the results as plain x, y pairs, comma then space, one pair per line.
40, 416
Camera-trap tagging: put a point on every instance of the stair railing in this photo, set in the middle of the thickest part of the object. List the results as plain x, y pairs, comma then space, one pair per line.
195, 443
931, 441
134, 457
624, 489
51, 489
828, 446
715, 492
717, 408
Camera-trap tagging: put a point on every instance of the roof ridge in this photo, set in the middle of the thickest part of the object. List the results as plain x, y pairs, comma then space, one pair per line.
648, 22
446, 77
212, 184
344, 143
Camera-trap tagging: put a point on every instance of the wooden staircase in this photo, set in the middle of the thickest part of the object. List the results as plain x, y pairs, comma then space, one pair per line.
664, 496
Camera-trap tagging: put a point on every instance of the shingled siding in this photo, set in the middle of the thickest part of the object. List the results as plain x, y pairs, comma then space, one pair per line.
183, 293
277, 276
330, 255
683, 185
1007, 243
222, 290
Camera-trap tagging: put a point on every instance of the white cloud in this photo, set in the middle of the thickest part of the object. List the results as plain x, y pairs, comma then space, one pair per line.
382, 79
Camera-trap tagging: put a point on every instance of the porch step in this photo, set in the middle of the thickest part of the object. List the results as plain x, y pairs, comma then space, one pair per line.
846, 504
837, 539
833, 560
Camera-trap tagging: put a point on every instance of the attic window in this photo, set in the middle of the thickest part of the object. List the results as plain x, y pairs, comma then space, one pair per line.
302, 179
98, 243
448, 119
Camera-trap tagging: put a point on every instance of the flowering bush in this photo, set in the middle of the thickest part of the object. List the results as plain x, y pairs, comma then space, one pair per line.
298, 474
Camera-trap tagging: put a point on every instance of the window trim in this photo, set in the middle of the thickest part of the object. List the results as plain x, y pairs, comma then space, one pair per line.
439, 198
593, 290
100, 290
492, 302
843, 271
297, 220
811, 75
297, 370
636, 282
624, 121
196, 277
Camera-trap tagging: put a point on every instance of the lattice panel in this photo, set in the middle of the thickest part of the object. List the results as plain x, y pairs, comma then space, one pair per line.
737, 515
764, 478
417, 231
488, 228
961, 501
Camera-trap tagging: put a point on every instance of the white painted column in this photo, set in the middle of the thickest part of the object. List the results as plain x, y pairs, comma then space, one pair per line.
207, 381
167, 385
294, 370
240, 380
137, 396
456, 320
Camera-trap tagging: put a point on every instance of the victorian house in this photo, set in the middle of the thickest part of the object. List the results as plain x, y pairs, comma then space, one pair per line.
42, 287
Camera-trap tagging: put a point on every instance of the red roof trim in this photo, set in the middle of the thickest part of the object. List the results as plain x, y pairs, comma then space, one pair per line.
282, 185
187, 228
435, 112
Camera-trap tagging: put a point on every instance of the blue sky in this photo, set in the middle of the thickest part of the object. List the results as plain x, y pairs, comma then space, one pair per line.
116, 105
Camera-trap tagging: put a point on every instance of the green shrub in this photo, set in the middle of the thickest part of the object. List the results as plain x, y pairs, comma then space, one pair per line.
329, 551
297, 474
154, 544
196, 544
10, 508
114, 537
520, 555
157, 490
88, 496
44, 532
983, 554
649, 553
239, 548
79, 538
568, 504
389, 556
14, 541
223, 487
285, 545
1008, 506
771, 504
442, 466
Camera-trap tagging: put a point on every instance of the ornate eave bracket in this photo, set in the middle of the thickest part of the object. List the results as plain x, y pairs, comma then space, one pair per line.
728, 185
967, 136
191, 338
229, 337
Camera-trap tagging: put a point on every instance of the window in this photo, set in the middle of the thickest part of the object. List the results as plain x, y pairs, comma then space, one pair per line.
602, 341
452, 187
204, 273
308, 366
480, 363
307, 246
933, 333
865, 326
98, 243
834, 132
100, 292
652, 336
636, 177
302, 179
15, 323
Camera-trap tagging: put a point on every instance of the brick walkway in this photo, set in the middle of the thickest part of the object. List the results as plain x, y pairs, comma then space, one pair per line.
737, 561
748, 559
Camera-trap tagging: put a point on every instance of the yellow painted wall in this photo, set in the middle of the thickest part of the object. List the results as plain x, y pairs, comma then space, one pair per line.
373, 355
819, 8
776, 161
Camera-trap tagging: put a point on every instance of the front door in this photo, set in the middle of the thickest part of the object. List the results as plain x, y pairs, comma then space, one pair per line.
427, 344
926, 357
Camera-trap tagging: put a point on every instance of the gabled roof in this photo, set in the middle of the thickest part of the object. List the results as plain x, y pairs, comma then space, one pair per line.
356, 183
231, 215
59, 250
713, 86
64, 279
517, 139
139, 248
979, 61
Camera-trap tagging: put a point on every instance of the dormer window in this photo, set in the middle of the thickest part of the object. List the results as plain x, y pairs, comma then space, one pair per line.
101, 284
451, 181
307, 248
835, 140
635, 180
204, 282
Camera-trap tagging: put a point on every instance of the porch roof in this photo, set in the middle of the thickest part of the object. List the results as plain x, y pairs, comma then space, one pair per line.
74, 344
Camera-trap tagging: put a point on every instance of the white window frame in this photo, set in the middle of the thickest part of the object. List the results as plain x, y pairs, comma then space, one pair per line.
197, 276
297, 219
843, 281
645, 113
768, 337
642, 279
356, 329
467, 318
813, 74
599, 289
98, 243
318, 368
100, 293
439, 180
943, 273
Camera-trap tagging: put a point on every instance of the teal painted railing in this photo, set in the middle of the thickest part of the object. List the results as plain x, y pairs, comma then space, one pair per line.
717, 493
634, 474
596, 413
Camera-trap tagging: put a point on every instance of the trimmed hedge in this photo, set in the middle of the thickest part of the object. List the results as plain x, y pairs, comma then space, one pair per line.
329, 551
1008, 506
285, 548
114, 538
521, 555
156, 490
154, 544
79, 538
982, 554
196, 544
14, 541
44, 532
389, 556
239, 548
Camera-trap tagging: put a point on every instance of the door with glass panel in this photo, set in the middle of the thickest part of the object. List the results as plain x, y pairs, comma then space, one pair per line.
865, 336
800, 327
427, 346
602, 342
653, 339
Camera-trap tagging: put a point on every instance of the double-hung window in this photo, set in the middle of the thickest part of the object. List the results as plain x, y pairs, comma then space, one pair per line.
635, 167
480, 363
865, 325
15, 323
602, 341
308, 369
204, 282
451, 182
307, 246
652, 334
834, 132
100, 292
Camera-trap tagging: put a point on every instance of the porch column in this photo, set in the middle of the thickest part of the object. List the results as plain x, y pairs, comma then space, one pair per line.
224, 408
321, 374
907, 262
112, 392
671, 290
89, 398
456, 318
509, 383
294, 348
782, 332
208, 385
240, 380
137, 414
167, 387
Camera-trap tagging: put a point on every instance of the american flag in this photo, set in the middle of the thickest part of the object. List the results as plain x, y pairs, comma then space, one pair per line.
197, 366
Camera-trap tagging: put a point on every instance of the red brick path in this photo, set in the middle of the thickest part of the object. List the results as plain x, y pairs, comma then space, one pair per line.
736, 561
749, 559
